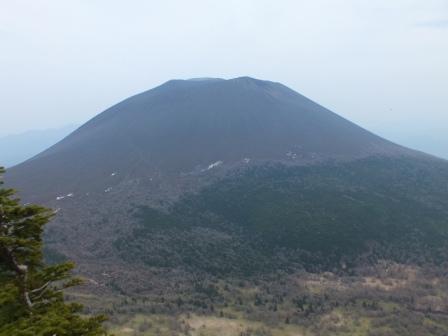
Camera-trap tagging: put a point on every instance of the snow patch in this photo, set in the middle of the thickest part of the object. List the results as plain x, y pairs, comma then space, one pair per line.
108, 190
291, 155
246, 160
214, 165
113, 174
64, 196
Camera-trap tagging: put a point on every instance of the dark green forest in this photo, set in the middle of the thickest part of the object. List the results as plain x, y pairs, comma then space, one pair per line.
313, 217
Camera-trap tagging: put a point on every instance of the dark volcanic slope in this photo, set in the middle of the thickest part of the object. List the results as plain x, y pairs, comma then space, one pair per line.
184, 126
235, 177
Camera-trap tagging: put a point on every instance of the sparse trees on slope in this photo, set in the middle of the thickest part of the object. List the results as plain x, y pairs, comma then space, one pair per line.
31, 297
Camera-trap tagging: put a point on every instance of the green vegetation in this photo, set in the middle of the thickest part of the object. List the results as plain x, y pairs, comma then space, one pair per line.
388, 299
316, 217
345, 249
31, 293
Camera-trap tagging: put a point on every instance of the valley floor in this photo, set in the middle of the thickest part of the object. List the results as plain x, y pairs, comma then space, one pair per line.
387, 299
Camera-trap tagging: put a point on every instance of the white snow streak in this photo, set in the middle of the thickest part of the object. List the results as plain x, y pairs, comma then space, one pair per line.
214, 165
64, 196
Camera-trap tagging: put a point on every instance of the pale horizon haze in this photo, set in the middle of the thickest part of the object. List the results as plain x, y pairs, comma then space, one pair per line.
381, 64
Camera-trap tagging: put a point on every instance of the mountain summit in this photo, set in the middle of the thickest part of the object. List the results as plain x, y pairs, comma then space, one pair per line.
186, 126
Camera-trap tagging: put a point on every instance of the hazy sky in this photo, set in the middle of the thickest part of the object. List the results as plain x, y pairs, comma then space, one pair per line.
382, 63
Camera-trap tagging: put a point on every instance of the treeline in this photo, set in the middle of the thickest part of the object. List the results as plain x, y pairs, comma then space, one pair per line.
31, 292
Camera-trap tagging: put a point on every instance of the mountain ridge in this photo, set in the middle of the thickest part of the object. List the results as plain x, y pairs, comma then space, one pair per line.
183, 126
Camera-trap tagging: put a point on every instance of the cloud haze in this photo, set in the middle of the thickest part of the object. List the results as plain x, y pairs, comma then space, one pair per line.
381, 64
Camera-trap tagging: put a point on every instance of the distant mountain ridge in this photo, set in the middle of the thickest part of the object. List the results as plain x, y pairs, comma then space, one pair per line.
17, 148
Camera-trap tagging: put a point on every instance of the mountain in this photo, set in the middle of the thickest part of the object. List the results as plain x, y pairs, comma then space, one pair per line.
183, 127
179, 155
256, 167
18, 148
197, 189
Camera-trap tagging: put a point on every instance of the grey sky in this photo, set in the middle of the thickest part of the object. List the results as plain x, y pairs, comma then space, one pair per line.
382, 64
